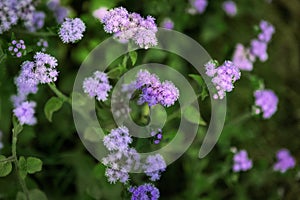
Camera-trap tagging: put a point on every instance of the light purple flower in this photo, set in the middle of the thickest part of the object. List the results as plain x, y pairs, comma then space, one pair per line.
17, 48
100, 13
267, 30
155, 164
43, 44
59, 11
284, 161
146, 191
267, 102
200, 5
37, 21
242, 58
45, 67
259, 49
167, 23
241, 161
8, 16
230, 8
118, 139
71, 30
97, 86
157, 136
25, 113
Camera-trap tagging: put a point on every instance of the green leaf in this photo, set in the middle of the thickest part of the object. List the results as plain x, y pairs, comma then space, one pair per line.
5, 166
17, 126
22, 167
202, 85
256, 82
133, 57
190, 114
115, 73
21, 196
52, 105
36, 194
33, 165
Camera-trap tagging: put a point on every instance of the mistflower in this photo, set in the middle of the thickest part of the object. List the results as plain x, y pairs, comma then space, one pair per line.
100, 13
284, 161
25, 113
17, 48
155, 164
37, 21
154, 92
230, 8
241, 161
259, 49
97, 86
8, 16
45, 67
118, 139
167, 23
242, 58
267, 30
157, 136
126, 26
266, 101
146, 191
43, 44
71, 30
59, 11
223, 77
200, 5
116, 175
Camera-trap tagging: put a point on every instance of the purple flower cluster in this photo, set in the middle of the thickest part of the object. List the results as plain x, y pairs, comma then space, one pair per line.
59, 11
100, 13
155, 164
154, 92
71, 30
8, 16
223, 77
241, 161
167, 23
157, 136
37, 21
17, 48
199, 5
25, 113
97, 86
284, 161
266, 101
144, 192
118, 139
245, 57
43, 44
126, 26
230, 8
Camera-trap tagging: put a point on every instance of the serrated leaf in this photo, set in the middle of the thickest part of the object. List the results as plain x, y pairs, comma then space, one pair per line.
52, 105
22, 167
189, 114
133, 57
33, 165
5, 166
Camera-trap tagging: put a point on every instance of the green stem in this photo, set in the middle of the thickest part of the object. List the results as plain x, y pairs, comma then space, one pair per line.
9, 159
59, 93
39, 34
239, 119
15, 160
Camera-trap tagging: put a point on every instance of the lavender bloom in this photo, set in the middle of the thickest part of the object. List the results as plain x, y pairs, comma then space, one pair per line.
17, 48
241, 161
97, 86
60, 12
116, 175
154, 92
45, 67
223, 77
118, 139
8, 17
167, 23
242, 58
71, 30
230, 8
267, 30
267, 102
200, 5
37, 21
100, 13
154, 166
43, 44
157, 136
126, 26
259, 49
284, 161
144, 192
25, 113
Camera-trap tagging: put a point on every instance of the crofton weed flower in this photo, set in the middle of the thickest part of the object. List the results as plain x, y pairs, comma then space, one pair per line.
97, 86
266, 101
43, 44
230, 8
17, 48
71, 30
45, 67
284, 161
242, 58
223, 77
118, 139
146, 192
241, 161
167, 23
199, 5
126, 26
8, 16
155, 164
154, 92
25, 113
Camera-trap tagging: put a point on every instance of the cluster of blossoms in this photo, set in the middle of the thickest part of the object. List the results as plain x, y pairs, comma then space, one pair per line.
13, 11
245, 57
230, 8
43, 44
41, 70
155, 164
97, 86
284, 161
157, 136
17, 48
241, 161
167, 24
100, 13
223, 77
199, 6
154, 92
266, 102
146, 191
59, 11
71, 30
126, 26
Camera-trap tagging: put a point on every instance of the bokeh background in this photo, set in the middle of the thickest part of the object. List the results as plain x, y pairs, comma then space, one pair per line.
70, 172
